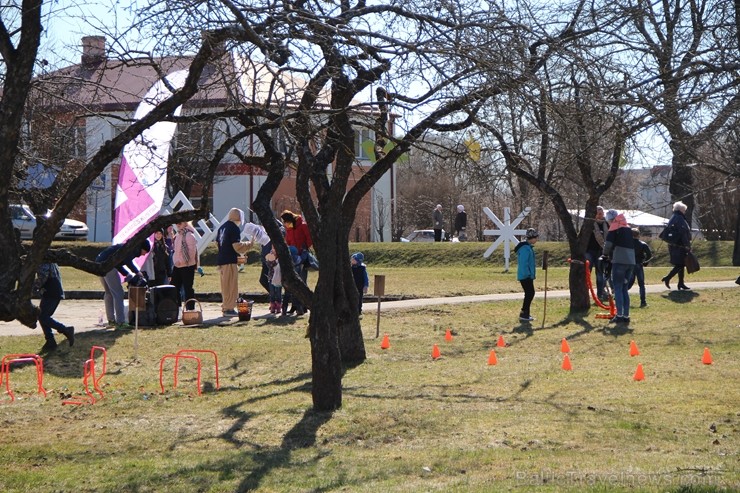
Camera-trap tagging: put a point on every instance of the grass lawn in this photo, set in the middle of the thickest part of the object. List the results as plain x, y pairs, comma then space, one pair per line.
408, 423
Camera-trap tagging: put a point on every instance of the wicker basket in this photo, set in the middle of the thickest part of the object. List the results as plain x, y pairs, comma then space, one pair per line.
194, 316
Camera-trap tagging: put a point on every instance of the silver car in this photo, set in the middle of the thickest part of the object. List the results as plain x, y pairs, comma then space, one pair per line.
421, 235
25, 222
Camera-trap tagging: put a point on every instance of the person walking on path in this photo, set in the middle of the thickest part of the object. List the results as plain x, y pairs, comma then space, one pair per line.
461, 222
680, 247
230, 247
620, 248
48, 284
643, 254
526, 271
186, 260
111, 282
437, 221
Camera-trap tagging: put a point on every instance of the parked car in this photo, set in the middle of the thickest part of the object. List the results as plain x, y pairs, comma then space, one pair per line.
25, 222
422, 235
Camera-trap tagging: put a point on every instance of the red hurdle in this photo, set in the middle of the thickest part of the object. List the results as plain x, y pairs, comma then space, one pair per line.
9, 359
177, 358
215, 359
88, 371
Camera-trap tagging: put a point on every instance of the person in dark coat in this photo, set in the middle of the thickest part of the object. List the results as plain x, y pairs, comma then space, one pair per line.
437, 222
595, 249
359, 274
643, 254
461, 222
160, 260
681, 247
48, 285
619, 247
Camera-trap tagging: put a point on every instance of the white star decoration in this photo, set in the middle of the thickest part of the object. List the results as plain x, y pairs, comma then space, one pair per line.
507, 232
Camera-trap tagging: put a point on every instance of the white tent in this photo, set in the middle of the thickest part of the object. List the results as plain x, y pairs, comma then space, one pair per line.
649, 224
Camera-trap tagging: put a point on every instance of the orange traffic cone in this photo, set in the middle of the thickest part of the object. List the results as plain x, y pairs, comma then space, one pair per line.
501, 342
492, 358
564, 347
448, 335
385, 344
633, 349
566, 363
639, 374
707, 358
435, 352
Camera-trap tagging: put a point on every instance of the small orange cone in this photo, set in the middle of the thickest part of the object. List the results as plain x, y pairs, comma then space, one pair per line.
448, 335
707, 358
492, 358
639, 374
435, 352
501, 342
564, 347
566, 363
633, 349
385, 344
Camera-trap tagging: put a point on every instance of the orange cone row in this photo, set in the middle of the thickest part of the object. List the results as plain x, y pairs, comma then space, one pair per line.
564, 348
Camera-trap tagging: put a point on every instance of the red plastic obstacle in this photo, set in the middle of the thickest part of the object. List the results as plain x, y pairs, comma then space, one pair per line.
96, 380
612, 306
88, 373
177, 358
215, 359
9, 359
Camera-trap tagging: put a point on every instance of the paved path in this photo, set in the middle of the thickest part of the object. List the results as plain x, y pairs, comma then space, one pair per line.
84, 314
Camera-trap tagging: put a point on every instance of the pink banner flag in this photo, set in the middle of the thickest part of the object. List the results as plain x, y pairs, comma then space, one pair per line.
142, 178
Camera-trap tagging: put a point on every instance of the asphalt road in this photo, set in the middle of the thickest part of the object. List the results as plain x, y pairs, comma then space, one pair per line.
84, 314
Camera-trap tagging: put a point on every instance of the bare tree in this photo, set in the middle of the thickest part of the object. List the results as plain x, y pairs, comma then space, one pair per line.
680, 62
437, 64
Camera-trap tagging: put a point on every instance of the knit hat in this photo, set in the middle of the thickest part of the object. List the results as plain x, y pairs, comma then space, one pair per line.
532, 233
611, 214
359, 257
460, 208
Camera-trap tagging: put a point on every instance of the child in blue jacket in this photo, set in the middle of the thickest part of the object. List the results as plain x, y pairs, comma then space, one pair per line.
526, 271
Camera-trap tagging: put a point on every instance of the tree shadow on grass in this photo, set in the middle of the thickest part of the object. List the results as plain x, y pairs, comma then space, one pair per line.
583, 320
302, 435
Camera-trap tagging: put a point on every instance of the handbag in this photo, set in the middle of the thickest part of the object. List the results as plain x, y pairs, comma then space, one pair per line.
194, 316
692, 263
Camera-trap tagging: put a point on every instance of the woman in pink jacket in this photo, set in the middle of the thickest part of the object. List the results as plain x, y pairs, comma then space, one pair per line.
187, 261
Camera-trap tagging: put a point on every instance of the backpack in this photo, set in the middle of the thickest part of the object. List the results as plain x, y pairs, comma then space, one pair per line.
671, 234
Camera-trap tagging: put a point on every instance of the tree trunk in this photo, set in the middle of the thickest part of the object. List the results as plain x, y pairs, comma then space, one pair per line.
580, 300
736, 250
326, 365
682, 180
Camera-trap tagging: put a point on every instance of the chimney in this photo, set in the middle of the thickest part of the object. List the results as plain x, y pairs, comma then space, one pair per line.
93, 50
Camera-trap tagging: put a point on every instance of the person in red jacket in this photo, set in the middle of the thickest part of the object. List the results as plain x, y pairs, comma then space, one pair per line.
297, 235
